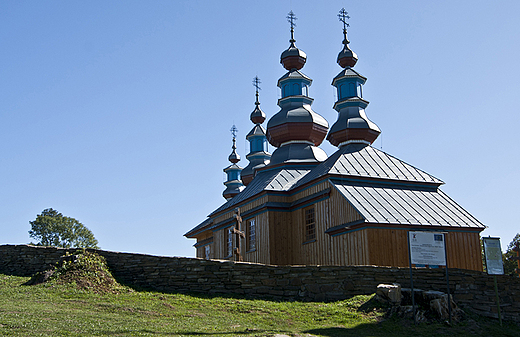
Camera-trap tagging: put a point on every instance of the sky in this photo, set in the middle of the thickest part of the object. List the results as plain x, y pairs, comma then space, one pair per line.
118, 113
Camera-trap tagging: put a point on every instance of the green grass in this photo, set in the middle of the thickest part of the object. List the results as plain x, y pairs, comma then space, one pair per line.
63, 310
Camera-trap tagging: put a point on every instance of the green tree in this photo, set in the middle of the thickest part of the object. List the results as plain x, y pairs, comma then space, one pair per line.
52, 228
509, 264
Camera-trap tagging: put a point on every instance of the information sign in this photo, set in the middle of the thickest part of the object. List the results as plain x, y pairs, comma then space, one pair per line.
493, 254
427, 248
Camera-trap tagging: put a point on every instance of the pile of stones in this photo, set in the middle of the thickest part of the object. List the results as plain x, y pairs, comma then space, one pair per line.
430, 305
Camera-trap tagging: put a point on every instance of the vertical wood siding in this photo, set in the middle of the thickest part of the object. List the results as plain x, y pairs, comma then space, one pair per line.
280, 236
261, 252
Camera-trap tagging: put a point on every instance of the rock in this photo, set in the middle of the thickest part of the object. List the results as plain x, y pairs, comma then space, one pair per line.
40, 277
389, 293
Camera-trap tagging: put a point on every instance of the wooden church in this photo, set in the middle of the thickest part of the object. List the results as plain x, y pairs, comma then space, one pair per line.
355, 207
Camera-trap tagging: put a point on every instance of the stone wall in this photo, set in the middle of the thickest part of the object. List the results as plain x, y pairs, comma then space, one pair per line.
471, 289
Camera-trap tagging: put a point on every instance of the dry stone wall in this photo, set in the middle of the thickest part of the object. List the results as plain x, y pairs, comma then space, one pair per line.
471, 289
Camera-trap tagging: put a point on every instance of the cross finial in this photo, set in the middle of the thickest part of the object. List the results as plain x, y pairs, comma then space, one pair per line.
343, 16
291, 18
256, 84
234, 131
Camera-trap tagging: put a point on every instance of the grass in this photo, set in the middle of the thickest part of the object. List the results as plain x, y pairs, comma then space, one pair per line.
51, 309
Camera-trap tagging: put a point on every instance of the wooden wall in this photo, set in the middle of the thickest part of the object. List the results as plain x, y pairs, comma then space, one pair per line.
463, 250
288, 245
261, 254
389, 247
280, 236
201, 250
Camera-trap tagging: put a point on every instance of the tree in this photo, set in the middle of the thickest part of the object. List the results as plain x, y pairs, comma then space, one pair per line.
509, 264
52, 228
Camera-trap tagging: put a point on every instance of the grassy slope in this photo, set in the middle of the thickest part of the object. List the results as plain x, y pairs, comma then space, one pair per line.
51, 310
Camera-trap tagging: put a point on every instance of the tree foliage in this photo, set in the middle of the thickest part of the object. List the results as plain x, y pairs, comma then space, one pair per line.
509, 264
52, 228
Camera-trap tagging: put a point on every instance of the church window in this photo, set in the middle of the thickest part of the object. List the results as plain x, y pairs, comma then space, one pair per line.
229, 241
342, 91
251, 235
310, 224
207, 252
284, 90
296, 89
352, 90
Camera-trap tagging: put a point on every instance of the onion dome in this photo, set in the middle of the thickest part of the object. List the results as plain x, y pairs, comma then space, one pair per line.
234, 157
352, 125
233, 183
257, 116
346, 57
292, 58
296, 129
258, 156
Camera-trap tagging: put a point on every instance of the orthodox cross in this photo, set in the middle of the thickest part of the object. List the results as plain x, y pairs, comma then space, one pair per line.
256, 84
291, 18
234, 131
239, 234
343, 16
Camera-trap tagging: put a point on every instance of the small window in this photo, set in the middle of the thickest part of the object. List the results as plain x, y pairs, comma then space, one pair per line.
360, 90
343, 91
296, 89
352, 90
207, 252
310, 224
251, 235
305, 90
229, 239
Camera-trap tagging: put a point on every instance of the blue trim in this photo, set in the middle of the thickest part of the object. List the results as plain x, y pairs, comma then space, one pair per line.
310, 203
254, 215
221, 228
376, 182
443, 229
204, 245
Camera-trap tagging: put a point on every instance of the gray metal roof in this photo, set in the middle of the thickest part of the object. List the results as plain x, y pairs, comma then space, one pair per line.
374, 163
363, 161
281, 179
294, 74
349, 72
398, 205
199, 226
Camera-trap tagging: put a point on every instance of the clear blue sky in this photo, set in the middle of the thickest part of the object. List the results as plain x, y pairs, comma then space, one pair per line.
117, 113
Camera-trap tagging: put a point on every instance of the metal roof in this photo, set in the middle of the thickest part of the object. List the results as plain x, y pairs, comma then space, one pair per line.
203, 224
364, 161
281, 179
406, 206
349, 72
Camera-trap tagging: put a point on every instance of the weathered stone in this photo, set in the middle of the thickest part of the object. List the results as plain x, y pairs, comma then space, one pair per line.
471, 289
389, 293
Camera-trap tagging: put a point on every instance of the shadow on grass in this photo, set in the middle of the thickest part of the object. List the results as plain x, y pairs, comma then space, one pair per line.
193, 333
361, 330
211, 295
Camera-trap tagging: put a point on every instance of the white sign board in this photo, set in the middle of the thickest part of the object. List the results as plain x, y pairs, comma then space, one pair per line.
427, 248
493, 254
